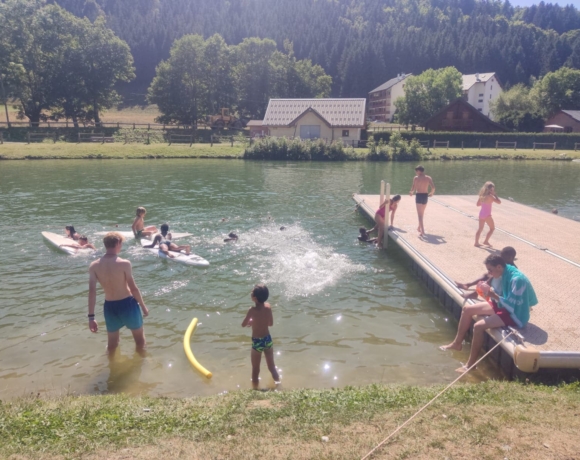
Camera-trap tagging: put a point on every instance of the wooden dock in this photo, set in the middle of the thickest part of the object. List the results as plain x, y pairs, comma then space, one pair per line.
548, 252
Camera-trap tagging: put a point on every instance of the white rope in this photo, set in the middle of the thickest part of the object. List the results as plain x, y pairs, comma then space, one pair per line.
430, 402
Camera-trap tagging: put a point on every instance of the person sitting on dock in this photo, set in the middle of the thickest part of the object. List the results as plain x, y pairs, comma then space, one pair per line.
364, 236
511, 297
508, 254
421, 185
165, 243
82, 244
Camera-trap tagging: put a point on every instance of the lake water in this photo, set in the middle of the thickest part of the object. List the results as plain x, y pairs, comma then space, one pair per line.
344, 313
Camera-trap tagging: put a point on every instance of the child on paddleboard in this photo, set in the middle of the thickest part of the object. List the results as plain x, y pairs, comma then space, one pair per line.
83, 243
165, 243
71, 232
138, 227
260, 318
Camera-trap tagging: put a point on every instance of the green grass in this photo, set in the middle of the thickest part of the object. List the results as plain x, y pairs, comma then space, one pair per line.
72, 425
64, 150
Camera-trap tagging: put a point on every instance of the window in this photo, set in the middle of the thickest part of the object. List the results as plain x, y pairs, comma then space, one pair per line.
480, 100
568, 129
345, 133
490, 96
310, 132
481, 95
491, 87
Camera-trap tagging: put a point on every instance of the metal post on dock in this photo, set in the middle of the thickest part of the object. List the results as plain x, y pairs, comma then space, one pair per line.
386, 195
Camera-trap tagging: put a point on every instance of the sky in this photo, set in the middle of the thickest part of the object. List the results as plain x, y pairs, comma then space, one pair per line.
576, 3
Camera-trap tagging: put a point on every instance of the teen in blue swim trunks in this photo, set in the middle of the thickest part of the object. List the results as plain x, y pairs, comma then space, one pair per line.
260, 318
122, 296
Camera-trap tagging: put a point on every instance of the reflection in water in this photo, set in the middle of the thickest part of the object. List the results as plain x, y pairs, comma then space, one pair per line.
125, 375
335, 302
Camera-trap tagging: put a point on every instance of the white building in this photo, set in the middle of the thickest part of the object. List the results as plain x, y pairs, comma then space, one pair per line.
480, 89
329, 119
382, 99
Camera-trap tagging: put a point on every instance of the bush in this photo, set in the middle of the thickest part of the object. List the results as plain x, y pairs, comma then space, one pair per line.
378, 151
281, 148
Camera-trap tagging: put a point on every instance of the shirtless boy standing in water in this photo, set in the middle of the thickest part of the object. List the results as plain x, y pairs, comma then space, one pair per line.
259, 318
122, 296
421, 184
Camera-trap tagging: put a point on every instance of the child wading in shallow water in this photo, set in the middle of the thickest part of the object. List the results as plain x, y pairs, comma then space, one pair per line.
259, 318
486, 199
138, 227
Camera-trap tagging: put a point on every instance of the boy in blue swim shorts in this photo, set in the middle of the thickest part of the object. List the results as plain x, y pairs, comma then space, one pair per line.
122, 296
260, 318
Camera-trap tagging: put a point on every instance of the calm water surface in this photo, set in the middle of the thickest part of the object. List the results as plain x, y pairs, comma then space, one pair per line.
345, 314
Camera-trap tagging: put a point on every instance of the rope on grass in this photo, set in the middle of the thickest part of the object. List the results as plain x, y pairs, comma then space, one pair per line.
368, 455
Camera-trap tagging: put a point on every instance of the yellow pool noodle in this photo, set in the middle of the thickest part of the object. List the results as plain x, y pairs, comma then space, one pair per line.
187, 349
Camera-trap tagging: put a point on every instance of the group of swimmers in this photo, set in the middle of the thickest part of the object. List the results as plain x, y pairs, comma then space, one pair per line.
124, 305
508, 294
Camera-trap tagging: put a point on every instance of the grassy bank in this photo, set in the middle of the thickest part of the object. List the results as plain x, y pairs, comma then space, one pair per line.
488, 420
62, 150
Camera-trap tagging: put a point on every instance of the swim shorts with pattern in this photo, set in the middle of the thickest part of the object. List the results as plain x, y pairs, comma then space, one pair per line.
262, 343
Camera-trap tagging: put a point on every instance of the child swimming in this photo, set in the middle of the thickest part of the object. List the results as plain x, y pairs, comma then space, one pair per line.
365, 237
259, 318
165, 243
82, 244
138, 227
487, 197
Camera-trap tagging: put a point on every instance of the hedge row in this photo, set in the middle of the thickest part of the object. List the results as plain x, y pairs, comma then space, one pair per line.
20, 134
564, 141
281, 148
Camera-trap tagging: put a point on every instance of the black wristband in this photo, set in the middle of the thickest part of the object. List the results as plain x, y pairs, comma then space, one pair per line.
91, 316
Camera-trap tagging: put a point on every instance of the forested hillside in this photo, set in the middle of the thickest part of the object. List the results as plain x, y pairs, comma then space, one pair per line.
360, 43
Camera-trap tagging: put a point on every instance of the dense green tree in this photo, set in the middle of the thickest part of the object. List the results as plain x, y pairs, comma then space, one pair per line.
428, 93
58, 63
179, 85
559, 90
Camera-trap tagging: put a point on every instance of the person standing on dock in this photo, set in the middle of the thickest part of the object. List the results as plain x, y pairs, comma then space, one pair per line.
421, 185
122, 296
487, 197
511, 296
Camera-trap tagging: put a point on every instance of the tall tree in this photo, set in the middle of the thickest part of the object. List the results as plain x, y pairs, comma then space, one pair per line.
428, 93
559, 90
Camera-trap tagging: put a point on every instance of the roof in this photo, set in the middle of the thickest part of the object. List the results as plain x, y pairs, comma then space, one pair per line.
336, 112
391, 82
470, 80
477, 113
255, 123
573, 113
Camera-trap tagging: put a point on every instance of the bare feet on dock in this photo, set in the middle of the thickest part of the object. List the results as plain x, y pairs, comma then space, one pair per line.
488, 244
477, 245
463, 369
451, 346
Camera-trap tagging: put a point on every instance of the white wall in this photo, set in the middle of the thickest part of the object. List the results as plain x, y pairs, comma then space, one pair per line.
482, 93
325, 131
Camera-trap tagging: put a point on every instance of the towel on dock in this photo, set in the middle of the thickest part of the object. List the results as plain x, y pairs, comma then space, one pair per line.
518, 295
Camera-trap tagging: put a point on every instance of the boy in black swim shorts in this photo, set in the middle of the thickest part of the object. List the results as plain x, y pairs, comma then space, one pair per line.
421, 185
259, 318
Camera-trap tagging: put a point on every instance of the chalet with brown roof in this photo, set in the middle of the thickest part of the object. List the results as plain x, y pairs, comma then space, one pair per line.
568, 121
462, 116
328, 119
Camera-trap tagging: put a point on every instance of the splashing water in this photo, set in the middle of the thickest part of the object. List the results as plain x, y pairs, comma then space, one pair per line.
294, 261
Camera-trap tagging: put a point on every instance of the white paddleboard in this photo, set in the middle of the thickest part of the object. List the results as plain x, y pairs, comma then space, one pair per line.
128, 235
181, 257
56, 240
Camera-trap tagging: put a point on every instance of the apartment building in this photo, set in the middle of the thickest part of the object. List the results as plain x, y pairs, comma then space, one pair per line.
480, 89
382, 99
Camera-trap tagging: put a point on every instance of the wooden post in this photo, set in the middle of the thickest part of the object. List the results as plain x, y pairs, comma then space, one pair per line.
554, 146
480, 144
534, 146
28, 135
461, 149
148, 139
232, 139
211, 140
496, 145
1, 138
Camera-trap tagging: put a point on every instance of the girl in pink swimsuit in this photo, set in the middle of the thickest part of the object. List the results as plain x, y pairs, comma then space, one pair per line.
486, 199
380, 217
